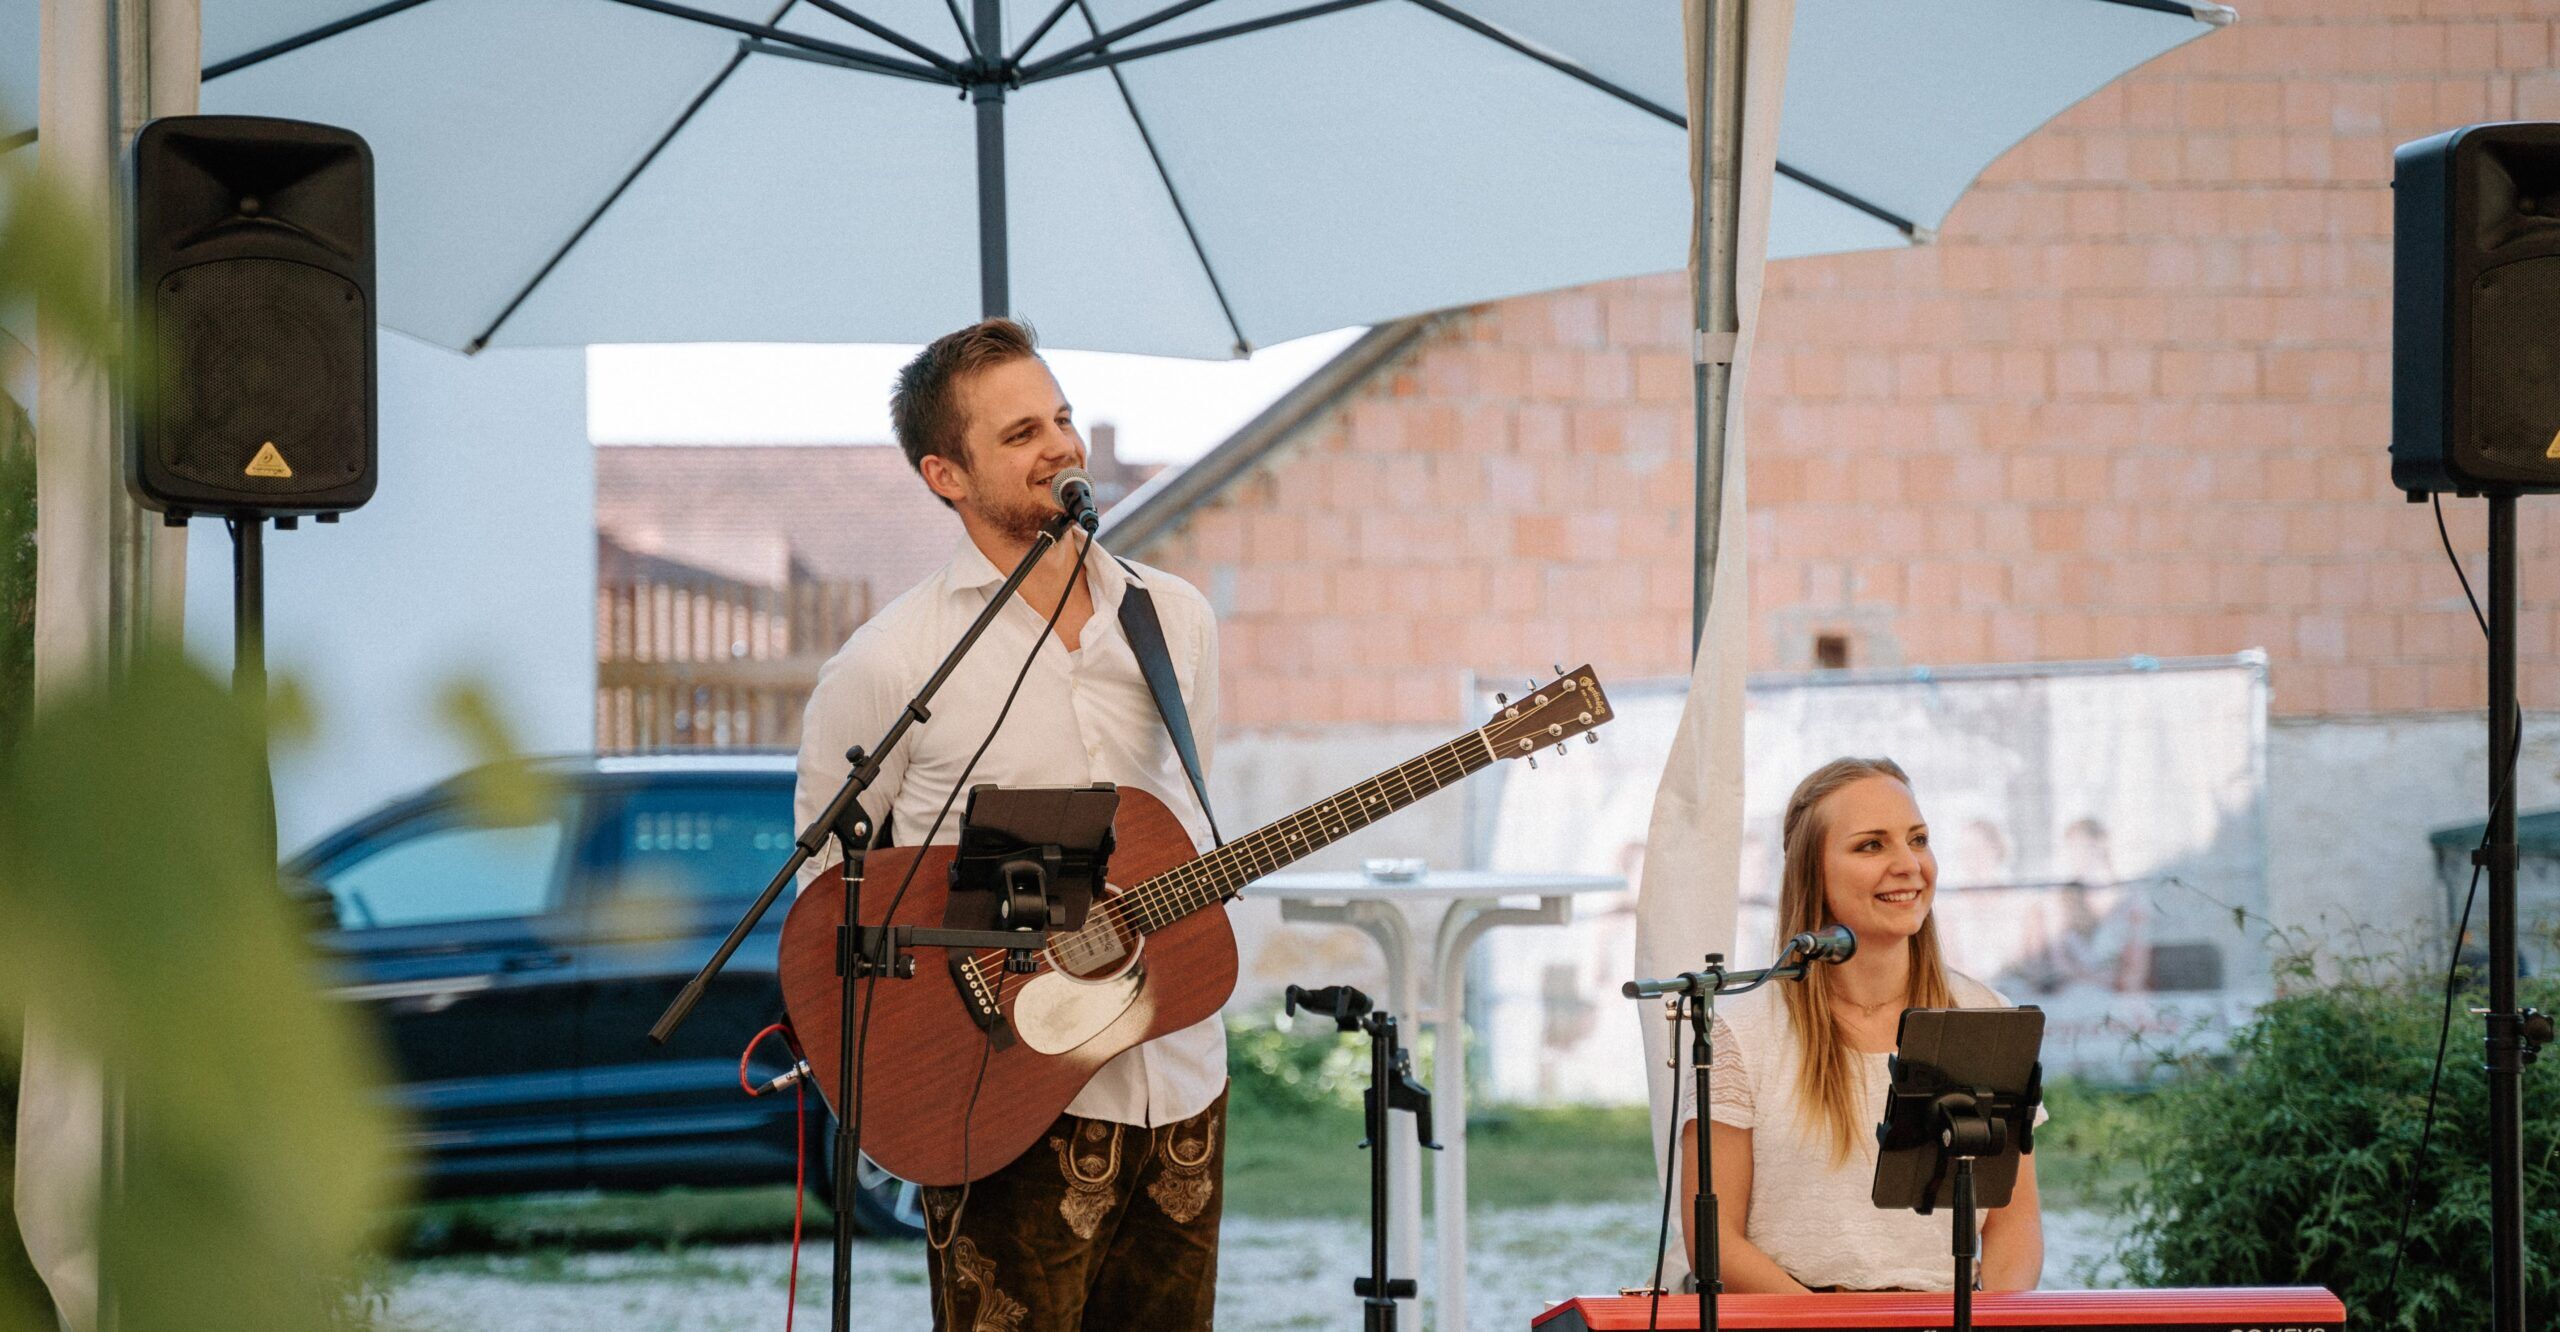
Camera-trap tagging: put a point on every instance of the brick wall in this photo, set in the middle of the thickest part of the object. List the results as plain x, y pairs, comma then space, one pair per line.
2134, 400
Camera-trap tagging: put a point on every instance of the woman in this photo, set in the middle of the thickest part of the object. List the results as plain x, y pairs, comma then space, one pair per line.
1800, 1071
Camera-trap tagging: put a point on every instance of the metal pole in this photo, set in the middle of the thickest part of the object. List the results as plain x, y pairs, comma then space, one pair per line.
986, 90
2505, 1055
1715, 145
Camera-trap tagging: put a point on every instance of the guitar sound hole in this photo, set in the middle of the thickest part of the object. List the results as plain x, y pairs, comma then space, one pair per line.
1098, 952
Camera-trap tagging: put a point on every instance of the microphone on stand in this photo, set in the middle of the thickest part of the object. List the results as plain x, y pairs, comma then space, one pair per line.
1831, 944
1073, 491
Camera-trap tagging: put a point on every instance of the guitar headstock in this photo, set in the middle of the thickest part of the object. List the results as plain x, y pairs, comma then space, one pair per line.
1550, 714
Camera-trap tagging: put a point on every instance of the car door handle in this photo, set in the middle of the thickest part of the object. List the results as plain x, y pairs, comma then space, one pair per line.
533, 962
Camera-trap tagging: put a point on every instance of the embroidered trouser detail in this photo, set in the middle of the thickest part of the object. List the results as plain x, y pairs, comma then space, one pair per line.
976, 1273
1184, 1186
1091, 1162
1075, 1247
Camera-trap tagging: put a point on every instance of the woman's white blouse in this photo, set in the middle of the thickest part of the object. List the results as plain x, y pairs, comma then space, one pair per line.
1813, 1217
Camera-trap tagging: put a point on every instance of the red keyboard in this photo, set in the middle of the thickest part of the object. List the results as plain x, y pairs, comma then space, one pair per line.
2247, 1309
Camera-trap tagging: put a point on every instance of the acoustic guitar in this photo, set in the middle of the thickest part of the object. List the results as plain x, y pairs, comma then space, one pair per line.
966, 1064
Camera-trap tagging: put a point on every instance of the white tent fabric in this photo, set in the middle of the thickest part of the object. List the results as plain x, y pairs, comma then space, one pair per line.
1685, 901
571, 171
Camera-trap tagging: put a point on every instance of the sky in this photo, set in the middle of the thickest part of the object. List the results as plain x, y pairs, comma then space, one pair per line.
1166, 409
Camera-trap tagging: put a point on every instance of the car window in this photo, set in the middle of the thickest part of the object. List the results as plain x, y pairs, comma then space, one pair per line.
449, 872
713, 843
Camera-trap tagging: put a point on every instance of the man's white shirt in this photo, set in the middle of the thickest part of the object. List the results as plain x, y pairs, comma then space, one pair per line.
1082, 717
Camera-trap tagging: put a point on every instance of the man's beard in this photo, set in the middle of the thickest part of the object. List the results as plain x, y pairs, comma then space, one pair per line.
1019, 519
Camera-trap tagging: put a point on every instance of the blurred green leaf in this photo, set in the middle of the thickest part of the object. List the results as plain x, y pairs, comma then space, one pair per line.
53, 257
136, 907
502, 788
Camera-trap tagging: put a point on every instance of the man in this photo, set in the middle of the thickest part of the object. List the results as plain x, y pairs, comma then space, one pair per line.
1111, 1220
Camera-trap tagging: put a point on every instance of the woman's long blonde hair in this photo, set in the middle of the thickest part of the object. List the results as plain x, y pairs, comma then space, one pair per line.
1828, 1076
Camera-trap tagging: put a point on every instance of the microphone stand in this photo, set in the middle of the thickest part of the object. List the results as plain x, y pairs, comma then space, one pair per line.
861, 952
1693, 995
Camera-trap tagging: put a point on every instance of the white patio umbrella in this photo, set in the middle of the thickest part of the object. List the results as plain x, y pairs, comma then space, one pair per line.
1192, 177
1188, 177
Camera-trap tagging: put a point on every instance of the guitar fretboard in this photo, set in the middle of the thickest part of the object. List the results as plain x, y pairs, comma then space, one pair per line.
1222, 873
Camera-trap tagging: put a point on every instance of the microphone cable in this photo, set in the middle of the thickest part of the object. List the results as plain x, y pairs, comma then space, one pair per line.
862, 1034
1671, 1185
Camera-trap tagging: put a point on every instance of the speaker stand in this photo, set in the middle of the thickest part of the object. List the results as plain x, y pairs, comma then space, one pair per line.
2509, 1047
249, 654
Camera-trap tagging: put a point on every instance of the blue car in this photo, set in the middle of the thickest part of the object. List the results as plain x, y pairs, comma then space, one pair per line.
515, 971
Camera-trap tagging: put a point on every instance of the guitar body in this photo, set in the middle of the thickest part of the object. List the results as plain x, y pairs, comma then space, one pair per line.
923, 1051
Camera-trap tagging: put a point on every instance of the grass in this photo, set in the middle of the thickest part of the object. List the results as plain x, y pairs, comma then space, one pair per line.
670, 1218
1298, 1162
1309, 1164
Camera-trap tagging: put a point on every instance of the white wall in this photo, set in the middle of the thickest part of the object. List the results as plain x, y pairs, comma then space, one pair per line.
475, 560
2350, 803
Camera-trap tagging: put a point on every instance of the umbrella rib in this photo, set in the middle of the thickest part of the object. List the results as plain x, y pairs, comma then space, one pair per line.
968, 39
758, 46
776, 35
897, 39
682, 119
1043, 30
1129, 29
2217, 15
302, 39
1909, 229
1107, 59
1563, 65
1199, 251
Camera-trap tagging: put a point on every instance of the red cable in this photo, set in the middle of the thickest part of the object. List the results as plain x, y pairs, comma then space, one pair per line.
799, 1191
799, 1155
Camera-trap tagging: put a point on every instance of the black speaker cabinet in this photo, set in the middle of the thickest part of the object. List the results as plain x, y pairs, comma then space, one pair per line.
2475, 311
252, 252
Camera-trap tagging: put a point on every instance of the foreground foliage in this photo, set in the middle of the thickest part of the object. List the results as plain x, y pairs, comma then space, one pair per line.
2285, 1161
139, 913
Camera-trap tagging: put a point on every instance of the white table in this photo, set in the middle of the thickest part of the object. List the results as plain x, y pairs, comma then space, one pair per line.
1430, 986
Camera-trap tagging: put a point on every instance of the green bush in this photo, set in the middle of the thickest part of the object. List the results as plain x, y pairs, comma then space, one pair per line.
1280, 1065
2284, 1160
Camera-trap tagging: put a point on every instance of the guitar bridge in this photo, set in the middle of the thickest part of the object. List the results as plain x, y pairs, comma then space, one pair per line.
979, 994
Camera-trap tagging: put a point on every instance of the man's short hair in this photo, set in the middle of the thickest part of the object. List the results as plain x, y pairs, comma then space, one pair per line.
925, 409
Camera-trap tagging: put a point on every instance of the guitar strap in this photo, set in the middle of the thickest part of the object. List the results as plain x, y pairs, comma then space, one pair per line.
1146, 641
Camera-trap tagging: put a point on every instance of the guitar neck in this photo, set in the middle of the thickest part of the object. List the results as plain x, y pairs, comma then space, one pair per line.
1221, 874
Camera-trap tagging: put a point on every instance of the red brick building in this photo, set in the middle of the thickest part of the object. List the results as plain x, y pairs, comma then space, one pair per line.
2133, 400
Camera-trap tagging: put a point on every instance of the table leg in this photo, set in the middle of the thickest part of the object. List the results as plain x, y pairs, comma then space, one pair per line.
1460, 928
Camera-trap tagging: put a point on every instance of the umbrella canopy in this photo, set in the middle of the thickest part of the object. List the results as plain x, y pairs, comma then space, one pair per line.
1188, 177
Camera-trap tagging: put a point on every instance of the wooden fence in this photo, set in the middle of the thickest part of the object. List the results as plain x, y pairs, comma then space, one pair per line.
713, 663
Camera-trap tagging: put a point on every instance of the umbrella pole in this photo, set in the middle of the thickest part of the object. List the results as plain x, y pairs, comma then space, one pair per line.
1716, 168
986, 91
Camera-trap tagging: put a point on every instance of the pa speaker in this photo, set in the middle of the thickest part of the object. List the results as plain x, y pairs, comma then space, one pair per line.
252, 266
2475, 311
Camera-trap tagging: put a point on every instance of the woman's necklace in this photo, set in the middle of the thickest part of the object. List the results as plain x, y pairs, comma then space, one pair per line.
1865, 1008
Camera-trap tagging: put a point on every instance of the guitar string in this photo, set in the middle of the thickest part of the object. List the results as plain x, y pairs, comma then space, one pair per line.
1163, 898
1176, 893
1148, 900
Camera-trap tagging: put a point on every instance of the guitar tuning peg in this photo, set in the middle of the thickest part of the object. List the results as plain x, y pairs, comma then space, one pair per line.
1559, 668
1530, 685
1502, 700
1559, 748
1533, 763
1590, 737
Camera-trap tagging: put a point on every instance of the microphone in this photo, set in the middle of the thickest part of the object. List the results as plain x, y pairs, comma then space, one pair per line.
1073, 491
1832, 944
